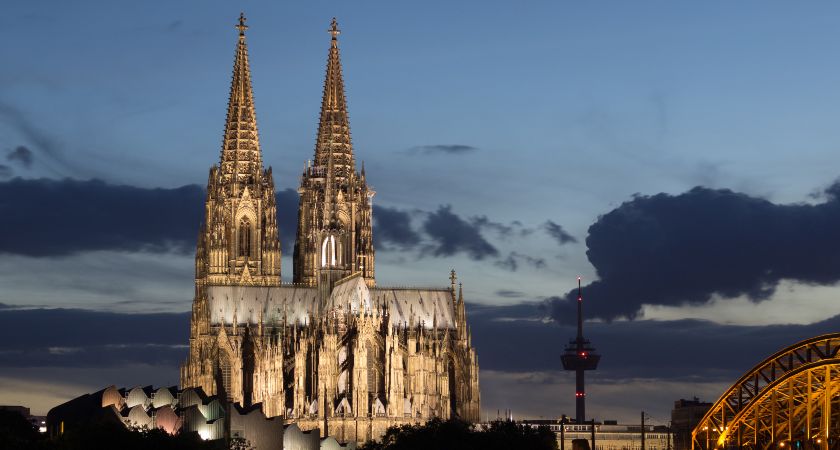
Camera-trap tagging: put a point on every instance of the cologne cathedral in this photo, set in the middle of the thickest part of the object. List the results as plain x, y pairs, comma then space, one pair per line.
330, 350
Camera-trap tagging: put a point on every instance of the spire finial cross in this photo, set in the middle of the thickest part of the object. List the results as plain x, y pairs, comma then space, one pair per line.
242, 27
334, 32
453, 278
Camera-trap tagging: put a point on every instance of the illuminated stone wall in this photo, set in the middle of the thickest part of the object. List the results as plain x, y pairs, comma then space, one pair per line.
330, 351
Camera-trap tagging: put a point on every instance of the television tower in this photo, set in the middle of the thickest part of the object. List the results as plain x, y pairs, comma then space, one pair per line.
579, 356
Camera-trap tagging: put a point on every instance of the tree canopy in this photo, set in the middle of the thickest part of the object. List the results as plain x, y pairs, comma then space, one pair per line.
455, 434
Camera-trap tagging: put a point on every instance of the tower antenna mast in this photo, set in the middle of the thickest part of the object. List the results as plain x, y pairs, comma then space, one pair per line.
580, 356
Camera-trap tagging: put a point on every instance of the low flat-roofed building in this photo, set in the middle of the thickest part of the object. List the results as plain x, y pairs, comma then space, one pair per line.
609, 435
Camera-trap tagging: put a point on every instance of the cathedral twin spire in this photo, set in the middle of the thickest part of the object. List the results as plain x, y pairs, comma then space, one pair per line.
334, 218
334, 126
241, 158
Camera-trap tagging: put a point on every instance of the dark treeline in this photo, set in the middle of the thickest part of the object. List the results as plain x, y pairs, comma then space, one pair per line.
454, 434
18, 433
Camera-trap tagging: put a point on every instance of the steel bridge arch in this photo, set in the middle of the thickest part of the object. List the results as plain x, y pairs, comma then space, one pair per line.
791, 400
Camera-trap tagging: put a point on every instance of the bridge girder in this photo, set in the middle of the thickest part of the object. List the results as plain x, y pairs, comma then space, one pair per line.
789, 400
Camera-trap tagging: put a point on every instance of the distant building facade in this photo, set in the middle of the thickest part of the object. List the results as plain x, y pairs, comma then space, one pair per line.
331, 350
608, 435
684, 418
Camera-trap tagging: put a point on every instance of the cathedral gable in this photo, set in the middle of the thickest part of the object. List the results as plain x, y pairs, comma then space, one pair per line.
245, 207
245, 279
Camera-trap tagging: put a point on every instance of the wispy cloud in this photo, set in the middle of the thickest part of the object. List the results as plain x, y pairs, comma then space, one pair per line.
513, 260
21, 155
558, 233
509, 294
444, 149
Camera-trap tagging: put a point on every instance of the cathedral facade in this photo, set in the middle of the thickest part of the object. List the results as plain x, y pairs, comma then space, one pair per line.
332, 349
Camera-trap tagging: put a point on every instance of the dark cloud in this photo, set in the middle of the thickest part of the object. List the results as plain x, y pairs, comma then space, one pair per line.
45, 218
502, 230
6, 171
448, 149
512, 338
42, 142
558, 233
683, 249
515, 339
53, 218
7, 306
83, 338
511, 263
449, 234
21, 155
452, 234
563, 310
508, 263
393, 226
509, 294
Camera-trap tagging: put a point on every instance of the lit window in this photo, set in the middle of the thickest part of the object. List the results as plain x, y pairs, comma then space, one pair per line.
370, 368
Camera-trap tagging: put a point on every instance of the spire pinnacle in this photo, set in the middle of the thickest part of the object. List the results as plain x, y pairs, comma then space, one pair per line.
334, 31
334, 124
242, 27
241, 158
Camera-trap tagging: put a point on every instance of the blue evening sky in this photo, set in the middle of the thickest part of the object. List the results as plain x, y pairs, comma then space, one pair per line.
570, 109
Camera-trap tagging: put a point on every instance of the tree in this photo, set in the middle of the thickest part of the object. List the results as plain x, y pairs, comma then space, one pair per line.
16, 431
455, 434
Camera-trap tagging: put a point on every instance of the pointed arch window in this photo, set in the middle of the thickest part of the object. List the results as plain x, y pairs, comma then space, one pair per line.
226, 377
227, 238
332, 247
371, 368
328, 251
245, 237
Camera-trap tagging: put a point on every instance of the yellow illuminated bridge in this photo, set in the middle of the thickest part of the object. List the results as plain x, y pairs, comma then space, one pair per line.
788, 401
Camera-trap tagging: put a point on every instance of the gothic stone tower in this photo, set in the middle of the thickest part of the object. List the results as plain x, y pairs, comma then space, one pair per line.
334, 221
331, 351
237, 243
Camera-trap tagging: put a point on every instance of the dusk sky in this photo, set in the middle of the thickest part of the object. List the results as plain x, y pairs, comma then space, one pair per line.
682, 158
